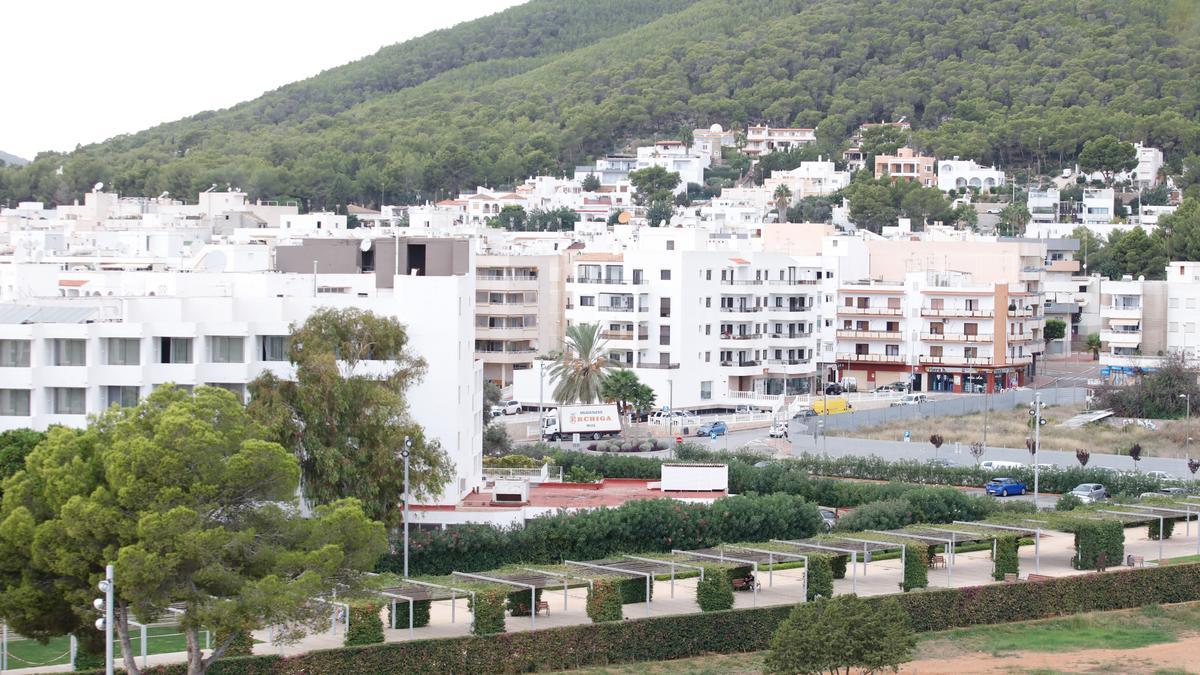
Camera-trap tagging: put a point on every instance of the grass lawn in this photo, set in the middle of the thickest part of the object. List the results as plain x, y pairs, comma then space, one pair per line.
1181, 560
1008, 428
716, 664
30, 653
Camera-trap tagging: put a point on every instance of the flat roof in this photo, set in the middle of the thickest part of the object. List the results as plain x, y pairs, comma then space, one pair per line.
608, 492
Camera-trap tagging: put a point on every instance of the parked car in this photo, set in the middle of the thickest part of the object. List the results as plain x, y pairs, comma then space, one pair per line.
509, 407
894, 386
1090, 492
996, 465
804, 412
942, 461
1162, 475
1004, 487
911, 399
778, 430
829, 516
497, 411
743, 410
1173, 491
833, 389
718, 428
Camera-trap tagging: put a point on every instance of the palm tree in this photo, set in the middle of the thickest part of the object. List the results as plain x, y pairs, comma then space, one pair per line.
783, 197
1094, 344
582, 365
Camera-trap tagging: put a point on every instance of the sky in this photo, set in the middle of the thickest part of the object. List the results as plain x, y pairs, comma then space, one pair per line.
78, 72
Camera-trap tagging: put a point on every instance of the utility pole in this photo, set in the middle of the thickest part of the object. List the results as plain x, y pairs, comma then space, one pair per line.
404, 453
1036, 411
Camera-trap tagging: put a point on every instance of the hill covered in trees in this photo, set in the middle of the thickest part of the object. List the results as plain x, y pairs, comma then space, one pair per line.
548, 84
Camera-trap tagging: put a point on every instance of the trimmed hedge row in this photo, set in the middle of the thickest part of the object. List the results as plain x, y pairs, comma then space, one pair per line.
487, 606
366, 628
420, 614
1093, 537
916, 568
715, 592
729, 632
1168, 527
1007, 560
604, 601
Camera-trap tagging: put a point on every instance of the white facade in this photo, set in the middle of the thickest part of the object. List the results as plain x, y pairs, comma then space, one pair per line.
676, 158
808, 180
1149, 163
1183, 310
966, 173
1043, 206
763, 139
1098, 206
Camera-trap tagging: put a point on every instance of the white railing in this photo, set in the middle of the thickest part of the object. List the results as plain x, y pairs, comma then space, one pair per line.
538, 475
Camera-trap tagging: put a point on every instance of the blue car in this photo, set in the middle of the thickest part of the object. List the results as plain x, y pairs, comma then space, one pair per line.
1004, 487
711, 428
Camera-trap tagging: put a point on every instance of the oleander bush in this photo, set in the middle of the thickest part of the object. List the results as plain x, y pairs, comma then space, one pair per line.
820, 576
604, 601
715, 592
1095, 536
916, 568
732, 632
487, 606
366, 627
1007, 561
1168, 527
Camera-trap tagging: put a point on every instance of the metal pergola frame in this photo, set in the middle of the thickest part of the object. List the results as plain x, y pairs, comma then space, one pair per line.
885, 546
454, 591
771, 565
1037, 539
508, 582
1143, 517
852, 552
611, 568
673, 564
1187, 518
724, 558
566, 581
925, 538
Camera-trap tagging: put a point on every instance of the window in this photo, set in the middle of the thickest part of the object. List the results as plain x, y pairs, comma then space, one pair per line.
936, 351
14, 353
123, 351
237, 388
670, 244
226, 349
1173, 303
664, 275
587, 301
14, 402
67, 401
273, 348
891, 350
664, 335
174, 350
708, 329
708, 275
706, 390
69, 353
970, 329
125, 397
971, 352
664, 307
707, 357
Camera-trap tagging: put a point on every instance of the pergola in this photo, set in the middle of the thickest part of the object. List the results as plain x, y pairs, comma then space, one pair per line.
411, 591
719, 555
1171, 512
1140, 517
632, 568
841, 547
530, 582
763, 555
928, 539
1036, 533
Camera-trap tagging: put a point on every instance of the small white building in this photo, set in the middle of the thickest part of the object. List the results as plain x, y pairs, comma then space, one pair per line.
675, 157
764, 139
1150, 162
966, 173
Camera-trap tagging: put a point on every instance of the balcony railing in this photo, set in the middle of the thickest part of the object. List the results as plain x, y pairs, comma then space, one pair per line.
741, 309
956, 337
740, 336
788, 362
610, 281
789, 309
872, 358
957, 360
505, 351
881, 311
790, 336
793, 282
622, 335
739, 364
659, 366
957, 312
869, 334
614, 308
742, 282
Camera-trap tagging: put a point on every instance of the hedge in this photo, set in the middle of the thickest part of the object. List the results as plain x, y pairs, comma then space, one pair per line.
838, 565
916, 568
633, 590
715, 591
820, 576
1007, 560
420, 614
729, 632
366, 627
1095, 536
518, 602
487, 606
1168, 527
604, 601
654, 525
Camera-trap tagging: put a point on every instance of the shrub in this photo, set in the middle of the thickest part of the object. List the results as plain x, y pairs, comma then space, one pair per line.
1095, 536
604, 601
1168, 526
845, 632
487, 605
837, 566
715, 592
366, 627
420, 614
518, 602
579, 474
916, 568
1068, 502
885, 515
1007, 561
242, 644
633, 590
820, 576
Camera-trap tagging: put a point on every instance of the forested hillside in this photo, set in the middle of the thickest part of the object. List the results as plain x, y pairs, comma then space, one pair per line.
543, 86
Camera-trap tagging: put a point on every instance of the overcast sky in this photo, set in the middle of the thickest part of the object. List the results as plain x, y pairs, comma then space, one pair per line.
79, 72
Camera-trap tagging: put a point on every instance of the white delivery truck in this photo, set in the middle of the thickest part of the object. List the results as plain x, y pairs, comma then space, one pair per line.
592, 422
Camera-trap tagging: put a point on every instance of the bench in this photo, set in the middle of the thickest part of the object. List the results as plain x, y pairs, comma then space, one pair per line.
1011, 577
1137, 561
937, 561
543, 605
745, 584
1038, 577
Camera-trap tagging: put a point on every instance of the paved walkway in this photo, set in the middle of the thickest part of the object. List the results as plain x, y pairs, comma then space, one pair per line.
784, 587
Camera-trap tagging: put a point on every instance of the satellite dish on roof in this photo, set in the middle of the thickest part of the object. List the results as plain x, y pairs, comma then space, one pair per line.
623, 218
365, 245
98, 187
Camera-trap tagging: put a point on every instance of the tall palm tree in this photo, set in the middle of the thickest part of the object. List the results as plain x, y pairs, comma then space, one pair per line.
582, 365
783, 197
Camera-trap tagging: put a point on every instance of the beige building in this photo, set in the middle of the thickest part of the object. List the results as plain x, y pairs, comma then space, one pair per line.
518, 311
906, 164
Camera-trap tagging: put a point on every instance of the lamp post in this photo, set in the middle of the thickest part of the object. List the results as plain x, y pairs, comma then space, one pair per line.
1035, 410
1187, 424
105, 624
404, 453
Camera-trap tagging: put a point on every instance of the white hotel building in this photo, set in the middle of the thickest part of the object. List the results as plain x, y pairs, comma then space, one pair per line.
75, 342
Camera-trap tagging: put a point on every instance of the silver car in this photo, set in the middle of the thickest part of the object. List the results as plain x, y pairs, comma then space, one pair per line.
1090, 492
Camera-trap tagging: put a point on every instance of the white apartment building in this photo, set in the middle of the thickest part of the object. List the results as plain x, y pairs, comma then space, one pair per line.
1149, 163
519, 307
1183, 310
1043, 205
74, 342
1132, 319
1097, 207
764, 139
939, 331
808, 180
710, 141
676, 158
956, 173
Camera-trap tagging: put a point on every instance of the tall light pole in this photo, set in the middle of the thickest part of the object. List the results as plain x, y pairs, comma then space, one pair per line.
1035, 409
1187, 425
404, 453
541, 397
105, 604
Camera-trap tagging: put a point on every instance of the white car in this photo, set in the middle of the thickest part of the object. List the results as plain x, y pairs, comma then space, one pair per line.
911, 399
778, 430
1161, 475
509, 407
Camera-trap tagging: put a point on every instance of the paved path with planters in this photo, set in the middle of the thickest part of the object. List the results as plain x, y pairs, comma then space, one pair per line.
878, 578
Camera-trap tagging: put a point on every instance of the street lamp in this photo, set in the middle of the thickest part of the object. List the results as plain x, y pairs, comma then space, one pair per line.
404, 453
105, 624
1035, 410
1187, 424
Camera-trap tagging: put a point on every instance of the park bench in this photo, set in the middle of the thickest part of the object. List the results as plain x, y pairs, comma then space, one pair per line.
1137, 561
543, 605
745, 583
1038, 577
937, 561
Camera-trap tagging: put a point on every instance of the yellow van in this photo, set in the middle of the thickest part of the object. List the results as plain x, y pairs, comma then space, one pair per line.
831, 406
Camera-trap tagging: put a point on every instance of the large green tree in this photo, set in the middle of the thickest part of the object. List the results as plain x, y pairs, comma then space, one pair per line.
15, 444
842, 634
581, 367
1016, 216
653, 184
345, 417
1108, 155
195, 508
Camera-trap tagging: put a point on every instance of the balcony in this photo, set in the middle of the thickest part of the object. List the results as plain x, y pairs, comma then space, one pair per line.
957, 312
956, 337
1020, 337
1023, 312
870, 334
622, 335
789, 310
788, 362
798, 335
740, 336
741, 309
956, 360
610, 281
614, 308
871, 358
741, 282
1121, 311
1121, 337
658, 366
869, 311
1071, 266
793, 282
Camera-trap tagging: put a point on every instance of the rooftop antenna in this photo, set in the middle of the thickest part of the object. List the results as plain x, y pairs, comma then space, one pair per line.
164, 195
98, 187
